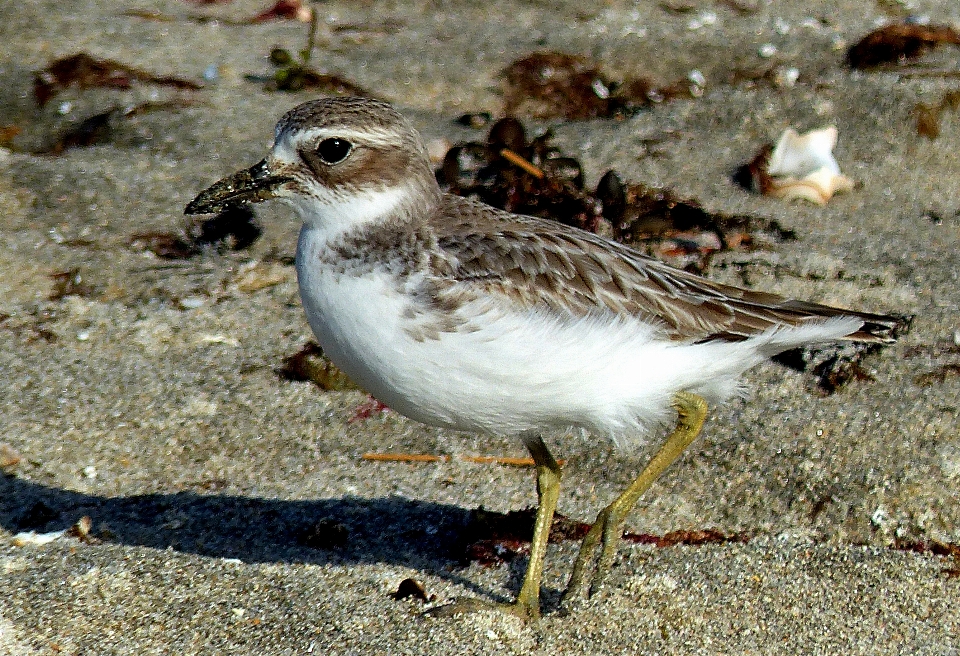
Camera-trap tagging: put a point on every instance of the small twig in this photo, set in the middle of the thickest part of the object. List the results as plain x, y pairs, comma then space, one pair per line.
311, 37
503, 460
523, 163
426, 457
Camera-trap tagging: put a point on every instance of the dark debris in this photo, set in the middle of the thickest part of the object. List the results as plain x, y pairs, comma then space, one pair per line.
938, 375
936, 548
491, 538
32, 326
928, 116
753, 175
235, 228
475, 120
91, 131
681, 231
165, 245
81, 530
532, 177
69, 283
325, 534
898, 43
411, 588
520, 176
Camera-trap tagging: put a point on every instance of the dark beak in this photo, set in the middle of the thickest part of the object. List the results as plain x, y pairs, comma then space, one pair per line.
252, 185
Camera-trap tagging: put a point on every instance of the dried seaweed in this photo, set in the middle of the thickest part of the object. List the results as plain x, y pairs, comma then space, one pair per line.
84, 71
520, 176
686, 538
284, 10
532, 177
557, 85
928, 116
898, 43
561, 85
100, 128
491, 538
310, 363
295, 74
936, 548
939, 375
664, 224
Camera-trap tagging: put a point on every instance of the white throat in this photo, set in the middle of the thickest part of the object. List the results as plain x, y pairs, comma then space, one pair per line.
333, 217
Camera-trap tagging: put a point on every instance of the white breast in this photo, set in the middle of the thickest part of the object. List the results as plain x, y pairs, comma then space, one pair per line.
516, 370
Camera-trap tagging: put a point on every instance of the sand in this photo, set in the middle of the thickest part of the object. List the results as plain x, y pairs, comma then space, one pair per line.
150, 402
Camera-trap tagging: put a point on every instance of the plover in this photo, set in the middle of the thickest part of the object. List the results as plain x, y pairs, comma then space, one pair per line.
460, 315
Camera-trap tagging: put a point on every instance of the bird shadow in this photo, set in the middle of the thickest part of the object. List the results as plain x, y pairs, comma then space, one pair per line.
420, 535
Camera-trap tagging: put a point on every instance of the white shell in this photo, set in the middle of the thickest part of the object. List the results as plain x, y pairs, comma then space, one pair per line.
802, 167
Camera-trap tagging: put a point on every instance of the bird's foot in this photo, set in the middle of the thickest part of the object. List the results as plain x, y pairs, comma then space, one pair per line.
526, 611
597, 551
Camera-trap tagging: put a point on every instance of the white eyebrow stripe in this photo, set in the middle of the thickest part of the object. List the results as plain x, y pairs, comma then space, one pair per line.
371, 136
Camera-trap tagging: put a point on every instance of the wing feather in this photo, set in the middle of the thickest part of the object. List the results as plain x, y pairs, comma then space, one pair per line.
540, 263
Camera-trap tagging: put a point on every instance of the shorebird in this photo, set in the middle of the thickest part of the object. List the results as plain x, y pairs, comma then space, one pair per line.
460, 315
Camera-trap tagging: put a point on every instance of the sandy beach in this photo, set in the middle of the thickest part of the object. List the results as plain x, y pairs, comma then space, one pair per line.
143, 392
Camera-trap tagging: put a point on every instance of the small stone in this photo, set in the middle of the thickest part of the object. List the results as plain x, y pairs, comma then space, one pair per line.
9, 457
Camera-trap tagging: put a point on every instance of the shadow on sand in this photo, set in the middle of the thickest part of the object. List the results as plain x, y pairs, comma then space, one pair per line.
416, 534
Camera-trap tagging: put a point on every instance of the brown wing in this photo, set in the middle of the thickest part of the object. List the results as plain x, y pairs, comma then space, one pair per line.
541, 263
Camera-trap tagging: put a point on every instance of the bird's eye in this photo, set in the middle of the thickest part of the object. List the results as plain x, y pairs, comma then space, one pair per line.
334, 150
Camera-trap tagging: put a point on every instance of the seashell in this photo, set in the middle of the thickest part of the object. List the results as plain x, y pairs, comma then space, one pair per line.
802, 167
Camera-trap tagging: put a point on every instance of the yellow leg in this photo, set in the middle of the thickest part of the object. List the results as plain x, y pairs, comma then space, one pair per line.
527, 605
691, 413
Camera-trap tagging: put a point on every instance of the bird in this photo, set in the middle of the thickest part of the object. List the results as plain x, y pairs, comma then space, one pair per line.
460, 315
